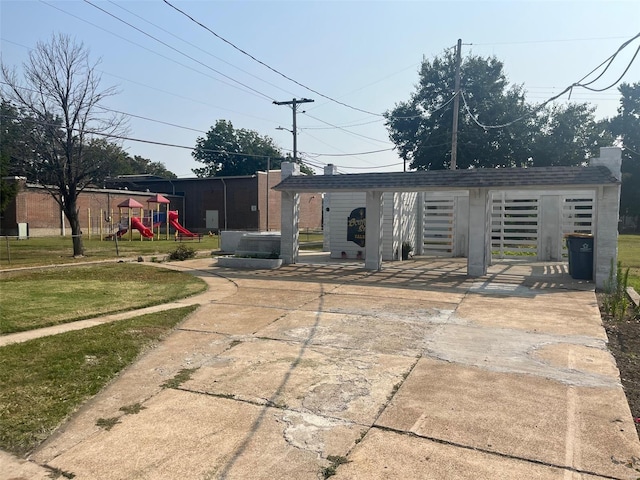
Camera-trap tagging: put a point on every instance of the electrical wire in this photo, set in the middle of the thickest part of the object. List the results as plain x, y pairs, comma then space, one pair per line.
340, 126
151, 119
267, 97
395, 117
567, 89
268, 66
618, 80
610, 60
146, 86
147, 49
152, 142
351, 154
528, 42
371, 168
201, 49
199, 102
345, 130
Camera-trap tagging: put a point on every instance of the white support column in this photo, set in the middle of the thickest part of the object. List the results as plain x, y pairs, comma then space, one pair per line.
420, 224
290, 215
605, 241
326, 212
373, 238
460, 226
479, 235
550, 228
607, 208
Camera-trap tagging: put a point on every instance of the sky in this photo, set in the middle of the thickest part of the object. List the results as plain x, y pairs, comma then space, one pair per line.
176, 76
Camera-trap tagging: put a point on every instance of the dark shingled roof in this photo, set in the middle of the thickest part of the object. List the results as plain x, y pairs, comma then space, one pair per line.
502, 178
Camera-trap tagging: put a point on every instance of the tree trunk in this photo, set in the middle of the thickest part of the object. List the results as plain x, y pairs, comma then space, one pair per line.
76, 234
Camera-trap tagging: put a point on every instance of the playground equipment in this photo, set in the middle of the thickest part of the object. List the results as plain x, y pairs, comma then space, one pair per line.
130, 204
160, 217
173, 220
132, 215
138, 225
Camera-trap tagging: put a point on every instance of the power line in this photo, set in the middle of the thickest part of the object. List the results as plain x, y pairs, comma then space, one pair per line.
529, 42
371, 168
339, 126
615, 82
370, 84
185, 98
147, 86
268, 66
179, 51
148, 49
173, 145
350, 154
567, 89
345, 130
200, 49
151, 119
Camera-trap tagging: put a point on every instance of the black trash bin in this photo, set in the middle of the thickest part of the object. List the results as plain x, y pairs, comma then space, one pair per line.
580, 248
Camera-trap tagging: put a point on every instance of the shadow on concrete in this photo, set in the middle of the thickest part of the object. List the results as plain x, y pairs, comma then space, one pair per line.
273, 400
505, 277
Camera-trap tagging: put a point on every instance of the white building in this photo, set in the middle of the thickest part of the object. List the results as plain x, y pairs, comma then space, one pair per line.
466, 213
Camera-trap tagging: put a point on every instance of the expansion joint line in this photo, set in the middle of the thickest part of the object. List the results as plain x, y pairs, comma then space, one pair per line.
496, 454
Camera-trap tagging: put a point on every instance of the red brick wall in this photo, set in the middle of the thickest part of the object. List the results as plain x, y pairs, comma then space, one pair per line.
310, 204
36, 207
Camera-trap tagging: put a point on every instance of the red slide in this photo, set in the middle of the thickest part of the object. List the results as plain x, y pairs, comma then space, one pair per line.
144, 231
173, 220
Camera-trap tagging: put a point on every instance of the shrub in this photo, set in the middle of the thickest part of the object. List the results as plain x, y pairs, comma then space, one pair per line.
615, 300
182, 252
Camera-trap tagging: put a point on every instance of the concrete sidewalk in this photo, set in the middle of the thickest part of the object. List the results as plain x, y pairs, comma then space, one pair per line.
413, 372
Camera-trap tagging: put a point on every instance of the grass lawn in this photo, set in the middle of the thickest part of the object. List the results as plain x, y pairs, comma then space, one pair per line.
44, 380
58, 250
39, 298
629, 256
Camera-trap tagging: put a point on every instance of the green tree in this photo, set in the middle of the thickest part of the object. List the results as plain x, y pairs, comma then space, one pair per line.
528, 135
114, 160
146, 166
8, 190
421, 127
226, 151
60, 94
11, 141
566, 135
626, 127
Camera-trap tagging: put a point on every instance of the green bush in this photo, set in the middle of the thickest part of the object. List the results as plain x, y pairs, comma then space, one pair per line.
182, 252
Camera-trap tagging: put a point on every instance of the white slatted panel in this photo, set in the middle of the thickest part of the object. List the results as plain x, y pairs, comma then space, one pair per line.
577, 214
514, 224
438, 225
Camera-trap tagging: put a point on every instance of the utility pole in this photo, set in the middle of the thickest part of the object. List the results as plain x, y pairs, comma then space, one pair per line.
456, 107
294, 106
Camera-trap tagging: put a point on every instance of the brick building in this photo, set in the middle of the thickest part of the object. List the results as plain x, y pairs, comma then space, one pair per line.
228, 203
203, 205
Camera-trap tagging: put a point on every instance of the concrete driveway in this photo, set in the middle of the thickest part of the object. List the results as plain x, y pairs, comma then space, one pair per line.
413, 372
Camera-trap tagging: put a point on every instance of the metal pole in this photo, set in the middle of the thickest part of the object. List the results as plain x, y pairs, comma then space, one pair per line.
456, 107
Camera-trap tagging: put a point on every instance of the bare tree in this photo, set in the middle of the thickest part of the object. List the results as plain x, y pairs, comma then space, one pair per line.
60, 96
